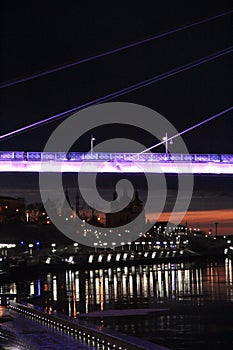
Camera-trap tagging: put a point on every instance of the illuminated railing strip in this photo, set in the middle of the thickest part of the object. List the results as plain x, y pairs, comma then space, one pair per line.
18, 156
85, 333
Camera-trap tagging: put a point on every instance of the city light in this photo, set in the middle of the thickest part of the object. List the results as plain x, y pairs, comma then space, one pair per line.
7, 245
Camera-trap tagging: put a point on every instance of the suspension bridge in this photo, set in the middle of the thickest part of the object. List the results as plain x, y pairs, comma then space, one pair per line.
144, 162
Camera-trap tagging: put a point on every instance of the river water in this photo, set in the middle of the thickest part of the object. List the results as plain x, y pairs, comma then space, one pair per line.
195, 298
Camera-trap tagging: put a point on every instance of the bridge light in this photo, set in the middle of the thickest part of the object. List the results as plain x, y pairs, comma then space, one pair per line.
165, 139
92, 143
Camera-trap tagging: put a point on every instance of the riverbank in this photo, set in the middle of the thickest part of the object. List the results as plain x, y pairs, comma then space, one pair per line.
74, 331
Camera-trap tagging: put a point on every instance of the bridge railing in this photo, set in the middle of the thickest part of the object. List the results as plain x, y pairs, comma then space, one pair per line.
111, 156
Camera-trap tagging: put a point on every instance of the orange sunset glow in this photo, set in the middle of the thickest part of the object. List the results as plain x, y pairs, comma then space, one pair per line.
204, 219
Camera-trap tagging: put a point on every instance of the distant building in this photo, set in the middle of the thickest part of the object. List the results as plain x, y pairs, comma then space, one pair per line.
12, 210
126, 215
35, 213
87, 213
66, 209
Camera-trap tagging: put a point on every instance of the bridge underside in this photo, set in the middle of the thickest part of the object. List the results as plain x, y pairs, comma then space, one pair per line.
117, 167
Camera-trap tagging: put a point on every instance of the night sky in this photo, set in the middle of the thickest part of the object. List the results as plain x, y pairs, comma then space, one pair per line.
36, 37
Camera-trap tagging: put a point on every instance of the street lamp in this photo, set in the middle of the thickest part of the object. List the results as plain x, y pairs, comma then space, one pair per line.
216, 228
92, 143
166, 147
75, 247
53, 245
165, 138
30, 246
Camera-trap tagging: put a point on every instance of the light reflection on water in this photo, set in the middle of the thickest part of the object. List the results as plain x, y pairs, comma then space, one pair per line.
101, 289
86, 291
198, 295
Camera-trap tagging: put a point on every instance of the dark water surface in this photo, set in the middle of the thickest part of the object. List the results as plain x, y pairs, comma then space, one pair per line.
197, 296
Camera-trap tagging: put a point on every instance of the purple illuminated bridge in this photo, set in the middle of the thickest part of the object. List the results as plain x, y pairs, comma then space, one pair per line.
18, 161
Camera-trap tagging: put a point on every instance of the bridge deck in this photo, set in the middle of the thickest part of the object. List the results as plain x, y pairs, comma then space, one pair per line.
117, 167
72, 162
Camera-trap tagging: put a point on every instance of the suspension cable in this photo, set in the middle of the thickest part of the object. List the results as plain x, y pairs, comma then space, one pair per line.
121, 92
189, 129
113, 51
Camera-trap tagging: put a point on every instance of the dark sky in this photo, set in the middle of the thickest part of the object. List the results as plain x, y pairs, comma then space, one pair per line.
36, 37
